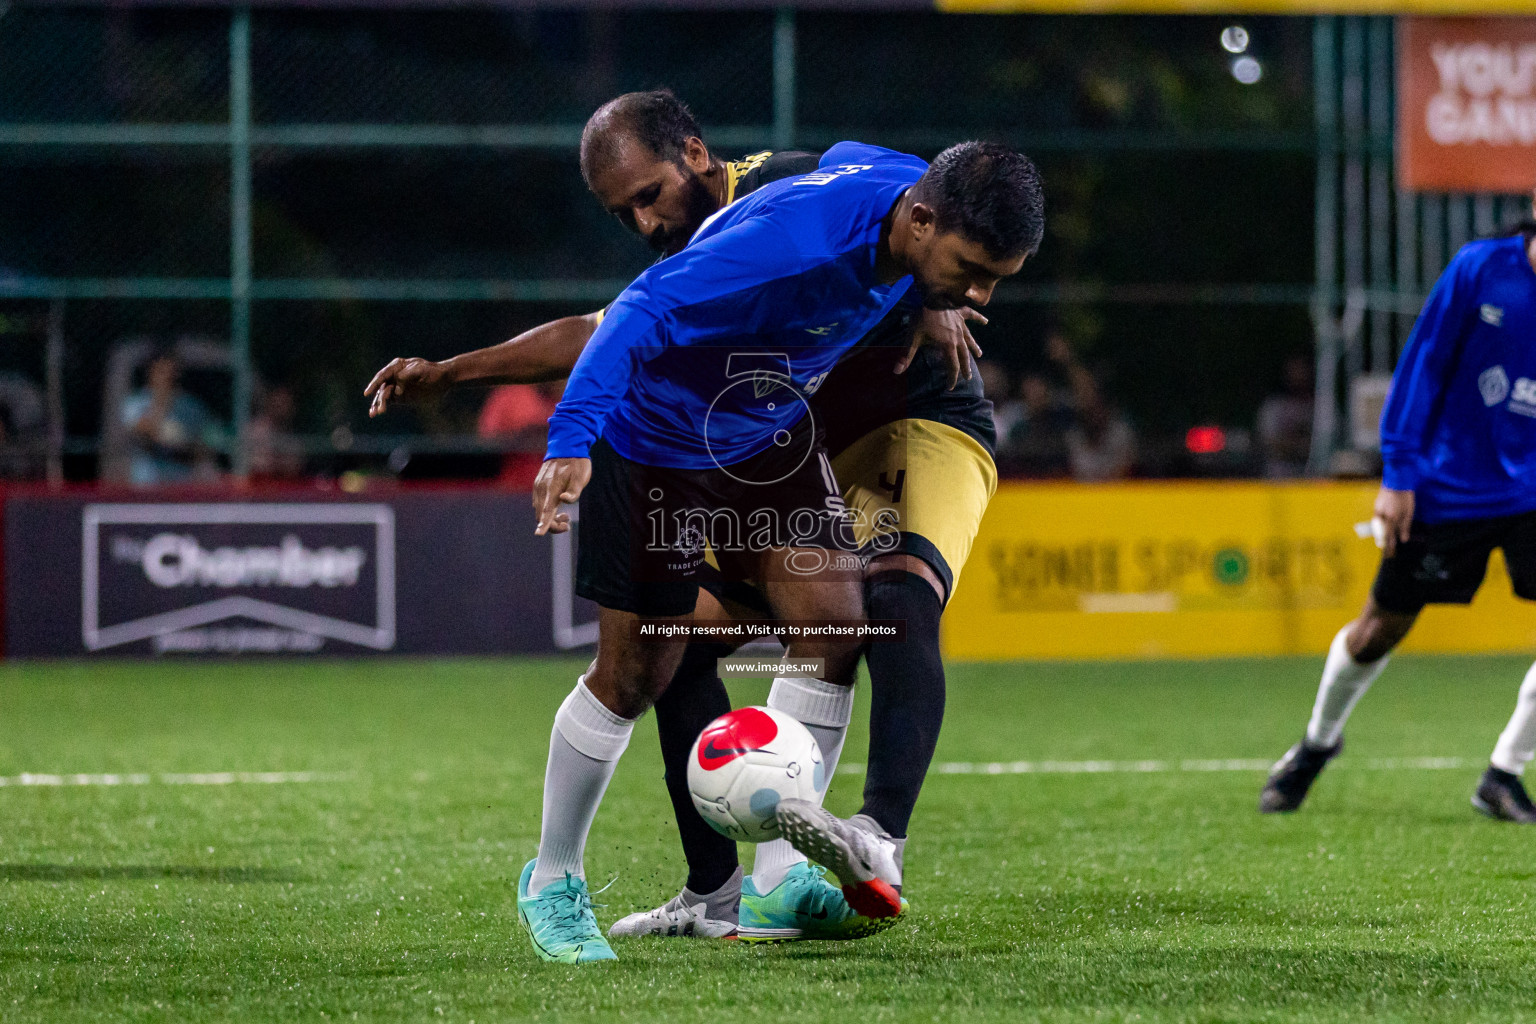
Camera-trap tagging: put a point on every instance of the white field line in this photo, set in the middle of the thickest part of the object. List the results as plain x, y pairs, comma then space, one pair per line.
1133, 767
169, 778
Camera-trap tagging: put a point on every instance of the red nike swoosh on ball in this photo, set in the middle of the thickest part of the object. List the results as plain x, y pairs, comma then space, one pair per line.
734, 734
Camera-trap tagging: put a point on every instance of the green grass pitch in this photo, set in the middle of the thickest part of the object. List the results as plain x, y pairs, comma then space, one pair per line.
382, 891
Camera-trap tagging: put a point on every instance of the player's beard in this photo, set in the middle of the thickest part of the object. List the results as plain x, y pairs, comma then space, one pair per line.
698, 206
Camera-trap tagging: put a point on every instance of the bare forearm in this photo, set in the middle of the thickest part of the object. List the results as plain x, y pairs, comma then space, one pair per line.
545, 353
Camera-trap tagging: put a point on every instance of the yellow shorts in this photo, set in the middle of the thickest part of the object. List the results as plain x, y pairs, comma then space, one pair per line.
919, 487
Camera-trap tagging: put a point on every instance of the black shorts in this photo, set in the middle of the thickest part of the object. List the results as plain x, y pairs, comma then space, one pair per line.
1444, 563
645, 530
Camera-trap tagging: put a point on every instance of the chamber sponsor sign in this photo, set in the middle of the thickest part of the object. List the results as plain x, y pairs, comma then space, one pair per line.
1190, 570
1467, 104
451, 573
233, 578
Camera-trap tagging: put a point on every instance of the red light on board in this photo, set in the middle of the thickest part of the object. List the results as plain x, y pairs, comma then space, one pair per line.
1205, 440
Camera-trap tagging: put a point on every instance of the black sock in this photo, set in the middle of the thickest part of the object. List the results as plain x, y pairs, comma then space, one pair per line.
693, 699
906, 685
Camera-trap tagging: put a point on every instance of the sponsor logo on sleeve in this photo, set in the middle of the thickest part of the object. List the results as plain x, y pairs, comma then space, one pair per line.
1522, 399
1493, 383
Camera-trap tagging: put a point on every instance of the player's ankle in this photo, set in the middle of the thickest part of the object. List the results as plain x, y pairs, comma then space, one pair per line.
869, 821
711, 884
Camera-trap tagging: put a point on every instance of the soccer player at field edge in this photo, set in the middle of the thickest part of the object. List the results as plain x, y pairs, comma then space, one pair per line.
920, 446
1458, 445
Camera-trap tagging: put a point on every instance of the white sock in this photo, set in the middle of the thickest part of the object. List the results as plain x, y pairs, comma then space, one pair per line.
824, 709
584, 748
1345, 681
1517, 743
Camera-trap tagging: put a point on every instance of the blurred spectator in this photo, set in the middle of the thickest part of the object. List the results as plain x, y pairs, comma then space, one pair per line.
1101, 444
518, 415
1007, 410
1037, 444
171, 434
1285, 422
276, 452
22, 428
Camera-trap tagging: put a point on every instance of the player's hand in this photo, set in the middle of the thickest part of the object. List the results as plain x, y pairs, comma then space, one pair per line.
945, 329
560, 481
1395, 510
409, 380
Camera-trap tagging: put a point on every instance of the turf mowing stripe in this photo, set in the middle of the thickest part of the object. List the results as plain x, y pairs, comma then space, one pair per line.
1227, 765
168, 779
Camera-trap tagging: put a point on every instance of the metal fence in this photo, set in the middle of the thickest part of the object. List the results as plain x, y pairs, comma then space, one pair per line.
327, 190
1379, 247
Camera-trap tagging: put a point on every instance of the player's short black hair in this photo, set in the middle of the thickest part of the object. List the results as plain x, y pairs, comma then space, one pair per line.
988, 193
656, 119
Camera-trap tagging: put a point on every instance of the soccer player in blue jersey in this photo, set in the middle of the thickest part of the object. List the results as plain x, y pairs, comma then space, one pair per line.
1458, 445
917, 445
687, 406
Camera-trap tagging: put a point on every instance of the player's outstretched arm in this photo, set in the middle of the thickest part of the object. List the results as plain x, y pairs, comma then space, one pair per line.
737, 282
547, 352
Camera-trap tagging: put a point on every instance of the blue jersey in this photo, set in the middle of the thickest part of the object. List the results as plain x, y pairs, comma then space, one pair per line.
709, 355
1459, 427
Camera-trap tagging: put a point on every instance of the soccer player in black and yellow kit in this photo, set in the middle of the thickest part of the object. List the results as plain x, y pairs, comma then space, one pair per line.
912, 441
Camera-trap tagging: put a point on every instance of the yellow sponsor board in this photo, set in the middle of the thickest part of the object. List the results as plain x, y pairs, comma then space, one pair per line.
1190, 570
1249, 7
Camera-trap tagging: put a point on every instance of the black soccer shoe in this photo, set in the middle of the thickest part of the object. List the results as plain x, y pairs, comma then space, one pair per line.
1293, 775
1501, 795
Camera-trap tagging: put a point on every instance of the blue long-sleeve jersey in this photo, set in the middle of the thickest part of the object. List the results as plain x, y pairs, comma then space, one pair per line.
1459, 427
686, 367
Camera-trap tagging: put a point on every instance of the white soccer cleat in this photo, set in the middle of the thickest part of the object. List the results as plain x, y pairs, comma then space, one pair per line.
687, 915
865, 863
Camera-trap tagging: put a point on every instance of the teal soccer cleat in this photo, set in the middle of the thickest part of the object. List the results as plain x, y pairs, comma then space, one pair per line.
804, 906
560, 922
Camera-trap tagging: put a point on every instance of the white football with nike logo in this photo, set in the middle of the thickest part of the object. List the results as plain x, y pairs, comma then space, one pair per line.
744, 763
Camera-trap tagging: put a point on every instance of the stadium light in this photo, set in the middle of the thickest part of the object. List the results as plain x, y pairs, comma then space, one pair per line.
1247, 70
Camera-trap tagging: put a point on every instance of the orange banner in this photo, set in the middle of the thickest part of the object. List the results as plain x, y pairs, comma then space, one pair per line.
1466, 107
